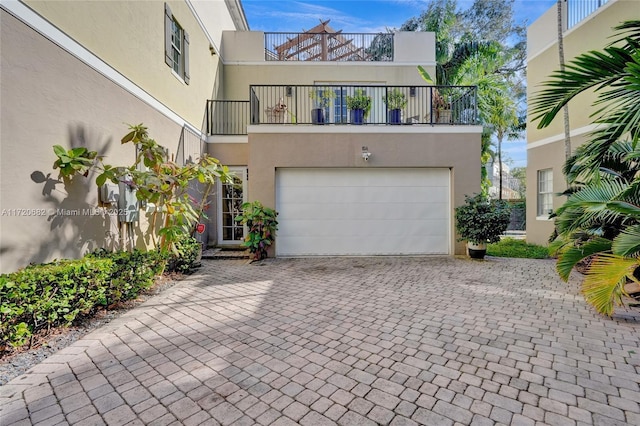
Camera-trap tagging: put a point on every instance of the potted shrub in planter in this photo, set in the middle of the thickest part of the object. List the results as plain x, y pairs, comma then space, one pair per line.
480, 221
322, 98
360, 105
396, 101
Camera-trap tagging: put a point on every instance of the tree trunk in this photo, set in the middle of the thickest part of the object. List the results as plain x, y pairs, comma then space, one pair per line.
500, 166
565, 109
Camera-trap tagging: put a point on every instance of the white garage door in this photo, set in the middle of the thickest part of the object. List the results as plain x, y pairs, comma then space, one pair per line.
362, 211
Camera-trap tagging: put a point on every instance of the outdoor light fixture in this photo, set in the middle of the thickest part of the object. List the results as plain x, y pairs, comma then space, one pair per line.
412, 91
365, 153
289, 91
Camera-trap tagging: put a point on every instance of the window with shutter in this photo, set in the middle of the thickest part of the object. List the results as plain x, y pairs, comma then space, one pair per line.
176, 45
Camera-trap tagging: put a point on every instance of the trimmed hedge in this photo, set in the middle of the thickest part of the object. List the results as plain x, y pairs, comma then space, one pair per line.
54, 294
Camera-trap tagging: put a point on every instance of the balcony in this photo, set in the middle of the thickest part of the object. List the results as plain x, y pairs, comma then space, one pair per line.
323, 46
330, 105
577, 11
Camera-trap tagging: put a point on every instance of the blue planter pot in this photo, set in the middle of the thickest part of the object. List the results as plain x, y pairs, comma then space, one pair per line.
395, 116
317, 116
357, 116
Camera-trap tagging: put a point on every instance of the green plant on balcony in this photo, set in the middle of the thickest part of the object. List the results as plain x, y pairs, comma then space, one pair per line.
322, 98
395, 99
360, 105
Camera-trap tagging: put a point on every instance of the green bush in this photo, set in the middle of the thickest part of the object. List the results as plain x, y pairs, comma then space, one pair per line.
54, 294
262, 224
43, 296
184, 256
510, 247
132, 272
482, 220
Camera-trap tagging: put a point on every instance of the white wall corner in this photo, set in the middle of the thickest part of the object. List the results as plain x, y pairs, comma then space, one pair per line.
414, 47
242, 46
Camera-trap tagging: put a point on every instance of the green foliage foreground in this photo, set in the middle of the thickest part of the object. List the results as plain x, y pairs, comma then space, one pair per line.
601, 218
40, 297
510, 247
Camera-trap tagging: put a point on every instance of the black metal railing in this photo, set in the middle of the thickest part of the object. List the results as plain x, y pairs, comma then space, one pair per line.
578, 10
337, 46
337, 104
227, 117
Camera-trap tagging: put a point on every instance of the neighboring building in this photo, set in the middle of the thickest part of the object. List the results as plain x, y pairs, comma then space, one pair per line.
589, 24
510, 184
74, 72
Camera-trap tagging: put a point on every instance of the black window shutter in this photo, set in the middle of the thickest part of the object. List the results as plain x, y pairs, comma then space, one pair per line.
168, 20
185, 49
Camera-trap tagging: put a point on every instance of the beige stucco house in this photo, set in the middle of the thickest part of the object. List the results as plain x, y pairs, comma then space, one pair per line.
588, 26
74, 72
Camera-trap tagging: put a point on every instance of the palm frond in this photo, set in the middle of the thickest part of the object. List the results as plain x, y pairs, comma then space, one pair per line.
603, 286
627, 243
569, 257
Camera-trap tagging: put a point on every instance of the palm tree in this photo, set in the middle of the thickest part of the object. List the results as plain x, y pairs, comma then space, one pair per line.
601, 216
565, 109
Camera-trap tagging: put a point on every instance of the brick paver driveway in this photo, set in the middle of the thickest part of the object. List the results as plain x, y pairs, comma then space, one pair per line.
352, 341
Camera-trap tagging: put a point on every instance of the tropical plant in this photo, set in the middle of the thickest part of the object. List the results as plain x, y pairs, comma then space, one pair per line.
601, 217
359, 100
322, 96
482, 220
157, 180
395, 99
74, 161
262, 225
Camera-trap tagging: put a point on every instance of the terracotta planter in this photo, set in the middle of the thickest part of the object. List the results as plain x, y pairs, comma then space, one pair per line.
476, 251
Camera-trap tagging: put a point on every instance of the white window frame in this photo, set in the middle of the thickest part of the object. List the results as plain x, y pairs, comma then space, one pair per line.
240, 172
544, 191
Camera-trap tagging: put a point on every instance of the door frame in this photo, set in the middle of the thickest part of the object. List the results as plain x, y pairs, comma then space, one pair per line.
242, 173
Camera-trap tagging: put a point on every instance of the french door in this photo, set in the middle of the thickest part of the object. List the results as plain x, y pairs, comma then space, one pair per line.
230, 198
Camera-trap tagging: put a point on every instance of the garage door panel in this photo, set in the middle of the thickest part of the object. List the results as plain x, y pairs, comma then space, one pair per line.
362, 211
325, 246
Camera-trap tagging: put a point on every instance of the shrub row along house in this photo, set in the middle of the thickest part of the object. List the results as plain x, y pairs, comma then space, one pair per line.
280, 109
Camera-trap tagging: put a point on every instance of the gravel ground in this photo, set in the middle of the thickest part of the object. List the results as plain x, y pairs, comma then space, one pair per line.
15, 364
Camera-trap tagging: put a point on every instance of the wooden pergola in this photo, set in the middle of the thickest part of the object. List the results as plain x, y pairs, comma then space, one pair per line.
320, 43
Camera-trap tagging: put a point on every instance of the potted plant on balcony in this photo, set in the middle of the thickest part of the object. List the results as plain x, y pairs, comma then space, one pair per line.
322, 98
396, 101
480, 221
360, 105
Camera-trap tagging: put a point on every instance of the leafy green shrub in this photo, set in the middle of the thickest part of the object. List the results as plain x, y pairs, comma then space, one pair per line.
185, 255
262, 225
54, 294
481, 220
132, 272
510, 247
43, 296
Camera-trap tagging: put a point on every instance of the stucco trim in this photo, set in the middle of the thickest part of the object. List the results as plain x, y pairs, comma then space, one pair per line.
227, 139
351, 129
55, 35
560, 137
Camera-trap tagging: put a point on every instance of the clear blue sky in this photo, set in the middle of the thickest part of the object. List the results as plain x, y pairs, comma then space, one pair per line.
356, 15
370, 16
